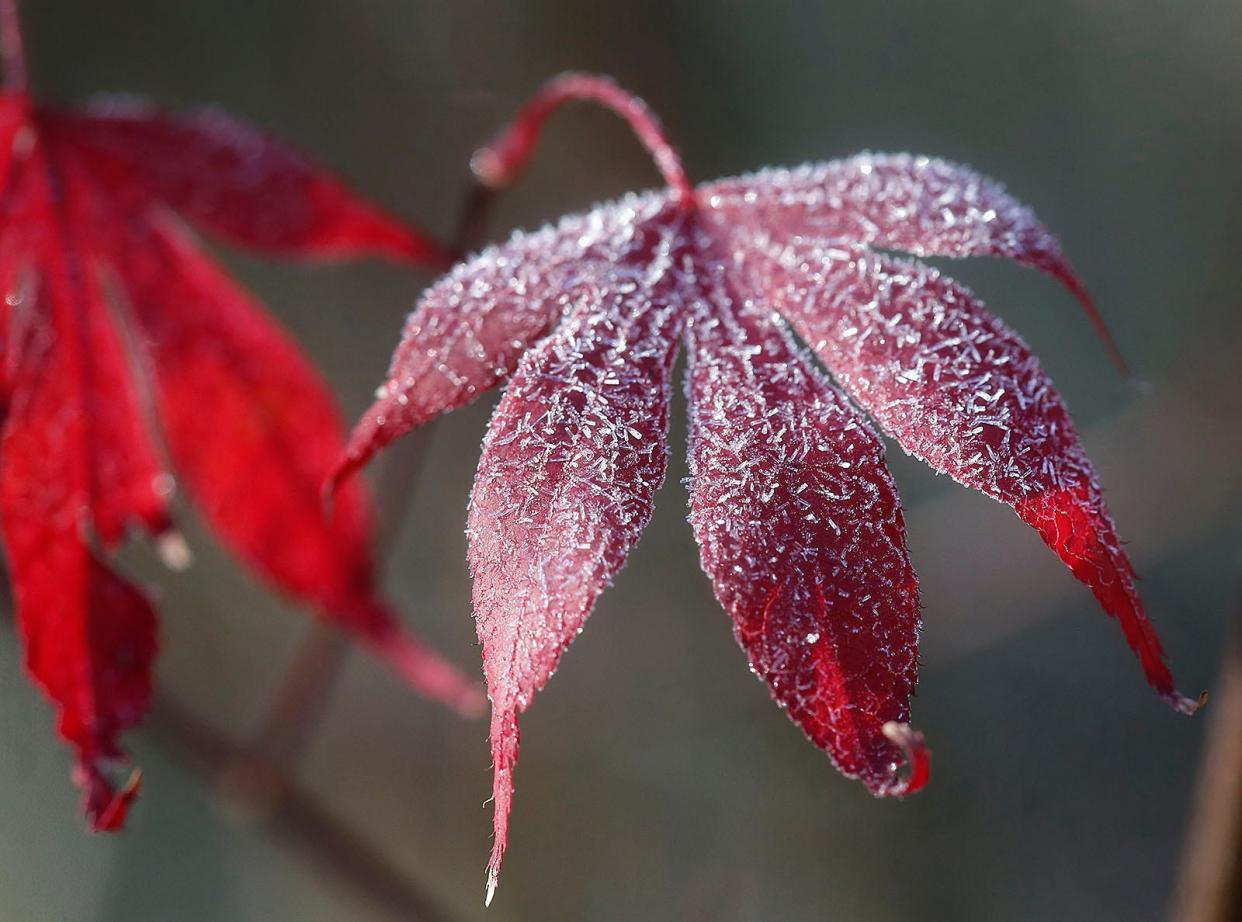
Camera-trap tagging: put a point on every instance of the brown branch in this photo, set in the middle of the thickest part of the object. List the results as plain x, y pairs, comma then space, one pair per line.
291, 815
258, 776
300, 702
298, 706
472, 225
279, 805
1210, 884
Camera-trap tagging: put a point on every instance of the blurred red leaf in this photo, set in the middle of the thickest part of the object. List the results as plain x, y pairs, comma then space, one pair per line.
124, 344
796, 515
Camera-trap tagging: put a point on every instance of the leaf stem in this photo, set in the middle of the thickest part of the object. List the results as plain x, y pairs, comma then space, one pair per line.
12, 48
498, 164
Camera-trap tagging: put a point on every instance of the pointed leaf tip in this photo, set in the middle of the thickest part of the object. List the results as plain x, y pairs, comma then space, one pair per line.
1075, 524
918, 758
340, 474
108, 809
493, 878
1186, 705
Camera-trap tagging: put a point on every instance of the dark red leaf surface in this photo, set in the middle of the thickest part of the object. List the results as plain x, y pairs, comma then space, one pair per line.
123, 343
796, 515
801, 532
922, 205
963, 393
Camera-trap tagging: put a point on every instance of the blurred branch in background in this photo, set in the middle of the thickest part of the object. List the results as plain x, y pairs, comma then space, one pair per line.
258, 779
273, 800
1210, 886
306, 689
293, 817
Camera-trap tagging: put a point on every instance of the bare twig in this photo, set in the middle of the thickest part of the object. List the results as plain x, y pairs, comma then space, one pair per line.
258, 776
1210, 886
299, 703
292, 816
472, 225
298, 706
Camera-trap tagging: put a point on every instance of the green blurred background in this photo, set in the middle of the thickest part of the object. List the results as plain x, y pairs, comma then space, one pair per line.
657, 781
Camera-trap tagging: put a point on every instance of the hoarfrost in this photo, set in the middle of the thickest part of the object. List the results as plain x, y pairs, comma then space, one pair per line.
798, 521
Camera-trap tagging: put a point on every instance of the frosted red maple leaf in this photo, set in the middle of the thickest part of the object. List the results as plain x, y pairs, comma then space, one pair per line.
797, 518
128, 356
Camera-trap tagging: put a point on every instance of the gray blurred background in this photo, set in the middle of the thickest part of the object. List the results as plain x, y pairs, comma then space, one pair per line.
657, 781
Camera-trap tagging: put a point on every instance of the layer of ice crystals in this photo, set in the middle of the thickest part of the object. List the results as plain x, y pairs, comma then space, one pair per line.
800, 528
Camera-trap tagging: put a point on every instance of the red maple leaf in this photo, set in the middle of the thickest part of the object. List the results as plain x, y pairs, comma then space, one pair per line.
796, 515
128, 355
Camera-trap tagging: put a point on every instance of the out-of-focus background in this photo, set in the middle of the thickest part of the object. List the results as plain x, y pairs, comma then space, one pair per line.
657, 781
